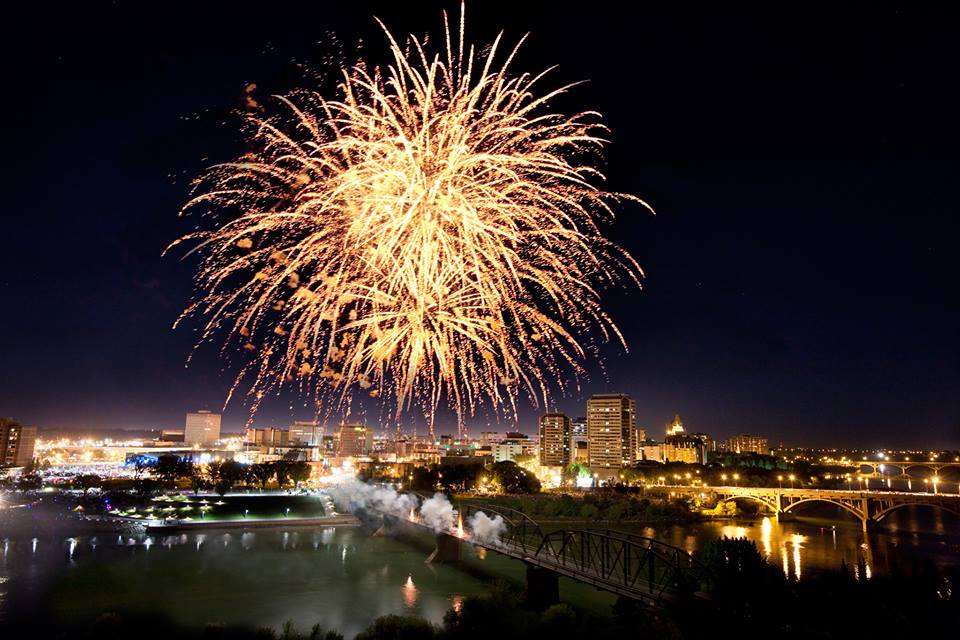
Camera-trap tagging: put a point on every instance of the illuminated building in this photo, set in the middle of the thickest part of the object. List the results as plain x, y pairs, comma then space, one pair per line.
611, 432
16, 443
680, 446
651, 451
554, 440
305, 432
354, 441
748, 444
684, 448
267, 437
201, 428
490, 438
675, 427
514, 445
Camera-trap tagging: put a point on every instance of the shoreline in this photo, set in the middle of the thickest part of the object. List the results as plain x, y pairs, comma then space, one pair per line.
251, 523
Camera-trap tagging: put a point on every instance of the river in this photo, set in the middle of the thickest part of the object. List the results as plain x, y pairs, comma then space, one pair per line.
343, 578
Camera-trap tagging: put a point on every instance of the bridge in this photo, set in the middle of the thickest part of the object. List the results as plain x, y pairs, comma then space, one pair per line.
879, 468
632, 566
867, 506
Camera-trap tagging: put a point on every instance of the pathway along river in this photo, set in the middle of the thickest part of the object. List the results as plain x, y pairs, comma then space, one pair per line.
344, 578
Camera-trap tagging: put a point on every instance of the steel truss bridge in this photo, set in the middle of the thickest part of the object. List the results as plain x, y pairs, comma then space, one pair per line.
633, 566
867, 506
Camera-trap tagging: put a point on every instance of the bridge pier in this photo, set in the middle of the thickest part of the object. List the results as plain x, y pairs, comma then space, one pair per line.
543, 587
448, 549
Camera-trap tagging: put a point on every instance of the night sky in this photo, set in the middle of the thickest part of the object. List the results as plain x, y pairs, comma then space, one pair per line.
802, 268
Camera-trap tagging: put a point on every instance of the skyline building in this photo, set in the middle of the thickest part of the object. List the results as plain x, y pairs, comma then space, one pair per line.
16, 443
201, 427
354, 441
611, 433
744, 443
555, 440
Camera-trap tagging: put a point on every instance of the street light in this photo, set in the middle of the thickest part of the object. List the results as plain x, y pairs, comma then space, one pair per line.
792, 478
780, 482
736, 477
936, 479
287, 515
723, 477
245, 512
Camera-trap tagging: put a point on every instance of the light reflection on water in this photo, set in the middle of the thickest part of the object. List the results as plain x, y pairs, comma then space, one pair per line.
341, 578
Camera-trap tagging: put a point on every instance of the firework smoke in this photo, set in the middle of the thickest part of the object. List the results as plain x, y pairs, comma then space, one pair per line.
485, 529
429, 234
357, 496
437, 513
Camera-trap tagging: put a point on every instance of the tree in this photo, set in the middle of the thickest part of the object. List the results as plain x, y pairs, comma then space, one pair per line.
299, 472
394, 627
140, 465
29, 482
281, 468
262, 472
166, 468
224, 474
86, 481
513, 478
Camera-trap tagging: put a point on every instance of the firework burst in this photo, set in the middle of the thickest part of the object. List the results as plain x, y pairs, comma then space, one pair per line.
430, 235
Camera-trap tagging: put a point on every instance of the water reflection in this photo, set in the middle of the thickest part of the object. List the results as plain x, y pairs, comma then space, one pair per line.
765, 529
311, 577
797, 540
409, 593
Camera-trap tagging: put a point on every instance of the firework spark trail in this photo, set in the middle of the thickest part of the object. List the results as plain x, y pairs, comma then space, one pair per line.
431, 234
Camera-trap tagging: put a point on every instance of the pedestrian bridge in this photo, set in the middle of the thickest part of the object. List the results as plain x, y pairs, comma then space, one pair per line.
867, 506
632, 566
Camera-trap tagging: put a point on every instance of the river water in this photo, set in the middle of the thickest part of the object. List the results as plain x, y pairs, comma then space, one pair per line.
343, 577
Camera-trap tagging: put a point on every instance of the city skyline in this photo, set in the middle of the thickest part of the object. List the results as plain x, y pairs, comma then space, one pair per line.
799, 274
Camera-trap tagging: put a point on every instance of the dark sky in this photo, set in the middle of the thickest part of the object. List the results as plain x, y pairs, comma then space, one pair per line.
802, 269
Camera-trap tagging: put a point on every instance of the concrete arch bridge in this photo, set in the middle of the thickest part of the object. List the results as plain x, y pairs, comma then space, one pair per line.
867, 506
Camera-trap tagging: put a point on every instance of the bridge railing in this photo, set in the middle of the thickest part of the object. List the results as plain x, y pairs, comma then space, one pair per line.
614, 560
634, 564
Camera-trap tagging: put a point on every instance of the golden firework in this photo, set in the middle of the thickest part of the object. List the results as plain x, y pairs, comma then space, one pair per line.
430, 235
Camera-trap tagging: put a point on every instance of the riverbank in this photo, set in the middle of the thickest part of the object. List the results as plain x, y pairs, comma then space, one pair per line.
252, 523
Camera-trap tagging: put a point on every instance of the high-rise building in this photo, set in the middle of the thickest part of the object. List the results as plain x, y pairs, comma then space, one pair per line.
578, 434
748, 444
554, 440
201, 427
611, 432
16, 443
354, 441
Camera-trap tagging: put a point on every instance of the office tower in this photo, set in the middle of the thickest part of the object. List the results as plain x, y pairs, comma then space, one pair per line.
16, 443
201, 428
554, 440
354, 441
611, 432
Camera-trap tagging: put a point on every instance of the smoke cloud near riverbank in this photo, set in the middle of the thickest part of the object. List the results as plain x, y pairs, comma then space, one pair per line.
485, 529
354, 495
436, 512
